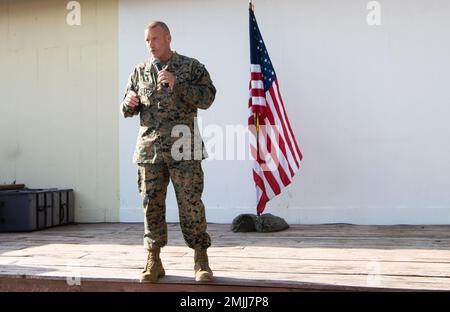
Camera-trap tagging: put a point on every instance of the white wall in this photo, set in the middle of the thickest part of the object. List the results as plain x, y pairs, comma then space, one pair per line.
369, 105
58, 108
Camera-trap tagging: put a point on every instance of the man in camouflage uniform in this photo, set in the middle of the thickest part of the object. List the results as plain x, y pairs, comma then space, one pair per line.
166, 99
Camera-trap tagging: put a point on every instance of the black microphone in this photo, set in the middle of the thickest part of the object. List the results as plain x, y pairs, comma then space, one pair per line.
157, 63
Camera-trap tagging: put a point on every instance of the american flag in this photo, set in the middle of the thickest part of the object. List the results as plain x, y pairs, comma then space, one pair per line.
272, 143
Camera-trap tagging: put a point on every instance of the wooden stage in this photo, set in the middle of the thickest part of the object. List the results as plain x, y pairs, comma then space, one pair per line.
338, 257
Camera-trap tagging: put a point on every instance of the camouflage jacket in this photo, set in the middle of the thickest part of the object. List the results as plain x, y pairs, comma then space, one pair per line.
161, 110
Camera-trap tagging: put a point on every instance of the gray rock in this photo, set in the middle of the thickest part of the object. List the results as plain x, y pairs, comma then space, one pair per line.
244, 223
264, 223
269, 223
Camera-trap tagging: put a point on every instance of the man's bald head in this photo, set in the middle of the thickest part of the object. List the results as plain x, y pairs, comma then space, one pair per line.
155, 24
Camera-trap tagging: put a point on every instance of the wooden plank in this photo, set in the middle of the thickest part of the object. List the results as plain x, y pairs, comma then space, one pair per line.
250, 253
440, 231
270, 267
52, 285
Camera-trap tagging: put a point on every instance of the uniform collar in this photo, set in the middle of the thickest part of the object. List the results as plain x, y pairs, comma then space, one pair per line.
169, 65
172, 61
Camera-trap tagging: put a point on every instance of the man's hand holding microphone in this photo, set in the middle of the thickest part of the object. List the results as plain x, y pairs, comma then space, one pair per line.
165, 78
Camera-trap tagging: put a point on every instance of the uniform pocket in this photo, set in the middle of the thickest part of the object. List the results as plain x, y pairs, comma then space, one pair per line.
139, 179
146, 89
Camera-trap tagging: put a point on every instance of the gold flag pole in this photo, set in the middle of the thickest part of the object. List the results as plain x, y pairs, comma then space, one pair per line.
255, 115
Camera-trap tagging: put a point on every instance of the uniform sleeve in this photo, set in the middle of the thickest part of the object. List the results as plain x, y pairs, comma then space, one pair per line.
199, 89
131, 86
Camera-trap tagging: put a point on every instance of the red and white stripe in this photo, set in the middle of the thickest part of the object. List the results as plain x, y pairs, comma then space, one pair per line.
275, 135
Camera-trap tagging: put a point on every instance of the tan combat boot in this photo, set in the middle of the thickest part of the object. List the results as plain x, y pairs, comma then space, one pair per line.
203, 272
153, 268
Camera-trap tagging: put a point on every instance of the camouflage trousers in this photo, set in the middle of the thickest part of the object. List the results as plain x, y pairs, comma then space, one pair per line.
187, 179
